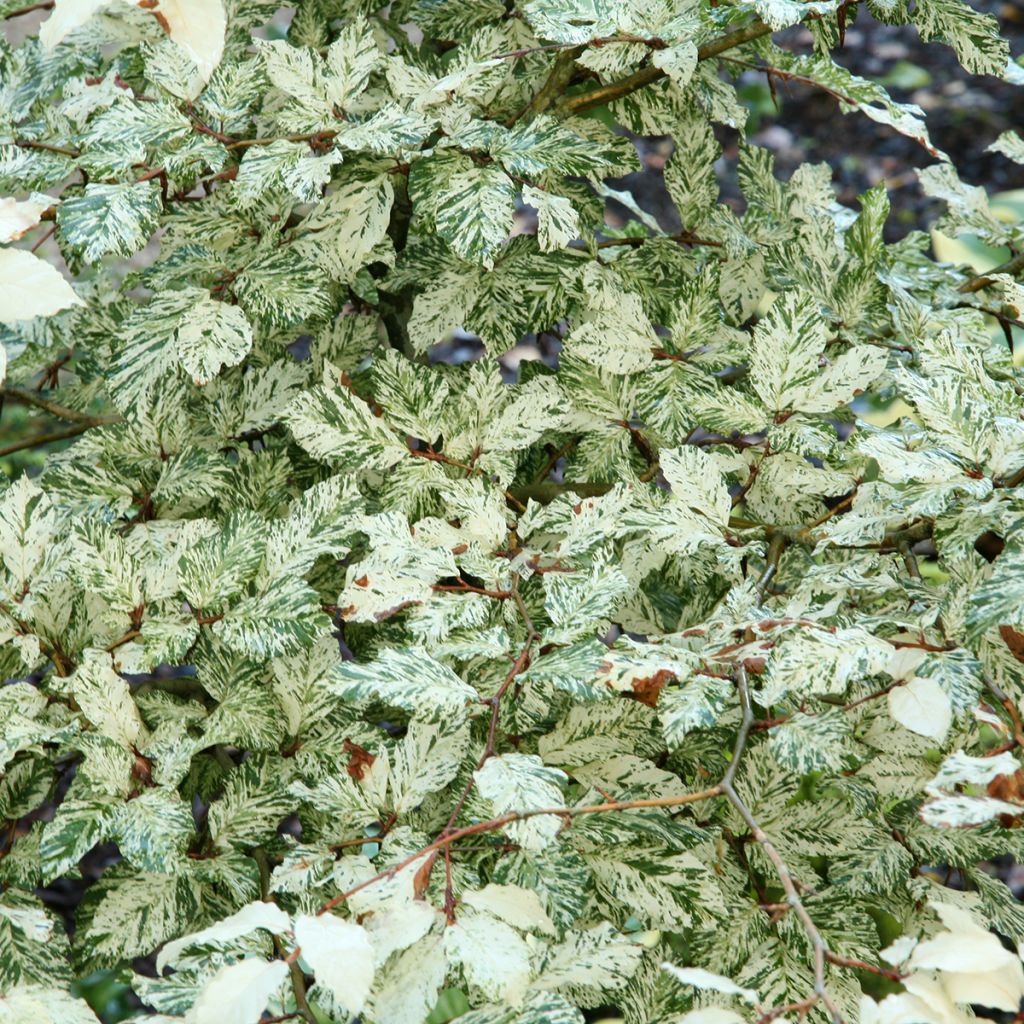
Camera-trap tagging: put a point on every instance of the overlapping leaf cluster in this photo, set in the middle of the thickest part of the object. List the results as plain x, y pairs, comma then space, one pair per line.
390, 679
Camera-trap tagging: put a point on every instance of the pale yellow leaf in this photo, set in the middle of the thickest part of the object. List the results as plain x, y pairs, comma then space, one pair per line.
31, 287
340, 955
922, 706
20, 215
238, 993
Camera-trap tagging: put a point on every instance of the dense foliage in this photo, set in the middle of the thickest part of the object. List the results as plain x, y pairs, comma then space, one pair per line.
656, 683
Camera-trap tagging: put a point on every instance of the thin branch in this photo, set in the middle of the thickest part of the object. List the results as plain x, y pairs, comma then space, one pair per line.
557, 82
38, 439
637, 240
789, 885
776, 546
645, 76
46, 5
55, 408
1011, 267
32, 144
314, 137
494, 824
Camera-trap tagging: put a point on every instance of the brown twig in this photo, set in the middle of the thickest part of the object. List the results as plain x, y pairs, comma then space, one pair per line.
789, 884
975, 284
45, 5
493, 824
55, 408
645, 76
48, 147
637, 240
50, 438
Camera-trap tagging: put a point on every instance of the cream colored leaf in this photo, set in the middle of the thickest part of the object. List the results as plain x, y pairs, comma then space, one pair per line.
251, 917
340, 955
20, 215
963, 811
922, 706
494, 958
700, 978
398, 926
1001, 989
515, 905
238, 993
31, 287
66, 17
968, 950
198, 27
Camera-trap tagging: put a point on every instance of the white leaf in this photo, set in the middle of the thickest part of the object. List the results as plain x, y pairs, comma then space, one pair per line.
66, 17
18, 216
1001, 989
960, 768
515, 905
969, 948
898, 951
340, 955
922, 706
238, 993
964, 811
494, 958
398, 926
31, 287
197, 26
700, 978
252, 916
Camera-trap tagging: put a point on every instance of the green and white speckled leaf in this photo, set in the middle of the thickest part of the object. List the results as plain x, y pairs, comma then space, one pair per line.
557, 221
336, 426
110, 219
471, 206
974, 35
409, 679
522, 782
807, 743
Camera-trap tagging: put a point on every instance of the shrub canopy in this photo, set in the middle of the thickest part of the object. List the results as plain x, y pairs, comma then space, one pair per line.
656, 682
